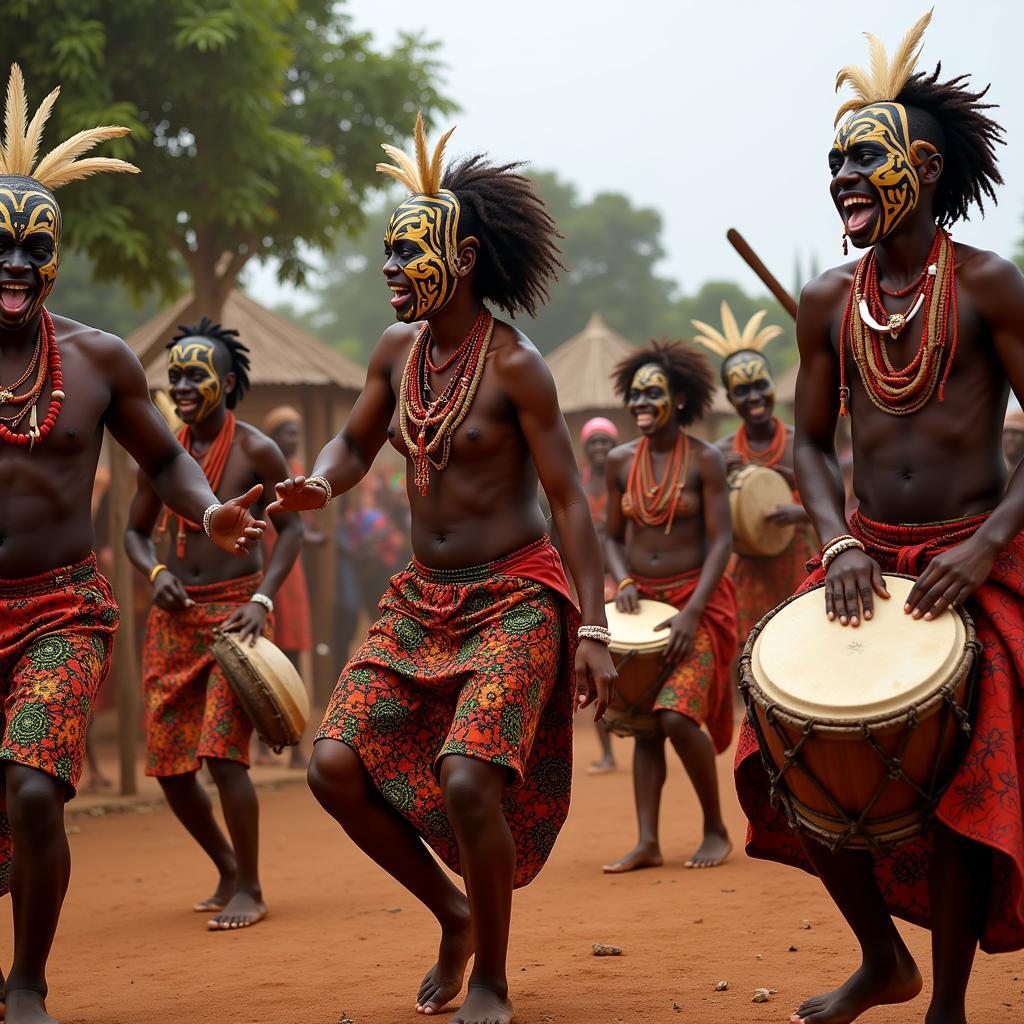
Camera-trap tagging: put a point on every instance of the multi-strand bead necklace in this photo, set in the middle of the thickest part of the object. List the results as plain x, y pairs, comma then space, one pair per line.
213, 461
770, 456
428, 427
46, 361
900, 392
654, 502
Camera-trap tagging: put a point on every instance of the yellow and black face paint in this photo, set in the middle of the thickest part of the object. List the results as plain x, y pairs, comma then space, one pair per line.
194, 359
748, 369
895, 177
651, 387
422, 235
30, 221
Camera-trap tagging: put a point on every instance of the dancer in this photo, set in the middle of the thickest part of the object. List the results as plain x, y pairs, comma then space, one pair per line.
452, 722
918, 342
57, 612
598, 436
669, 539
761, 440
1013, 439
191, 712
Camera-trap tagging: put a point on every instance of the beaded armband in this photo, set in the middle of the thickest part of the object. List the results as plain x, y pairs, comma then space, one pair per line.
602, 634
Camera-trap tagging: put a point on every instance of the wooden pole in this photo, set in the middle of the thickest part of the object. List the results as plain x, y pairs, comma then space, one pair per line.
125, 668
739, 243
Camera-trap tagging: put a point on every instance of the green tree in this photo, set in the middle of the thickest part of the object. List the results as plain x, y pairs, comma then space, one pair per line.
256, 124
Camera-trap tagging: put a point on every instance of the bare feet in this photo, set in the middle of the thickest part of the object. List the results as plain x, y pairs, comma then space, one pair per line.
894, 980
443, 982
640, 856
218, 901
945, 1015
243, 910
26, 1006
484, 1006
603, 767
712, 851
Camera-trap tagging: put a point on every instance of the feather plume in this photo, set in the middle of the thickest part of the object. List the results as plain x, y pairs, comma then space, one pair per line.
882, 84
421, 176
61, 165
731, 339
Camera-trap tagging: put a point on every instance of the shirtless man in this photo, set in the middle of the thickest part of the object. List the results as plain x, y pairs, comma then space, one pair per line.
915, 155
57, 613
452, 723
192, 714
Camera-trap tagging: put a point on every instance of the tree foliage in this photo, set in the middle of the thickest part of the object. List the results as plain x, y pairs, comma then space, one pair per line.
256, 124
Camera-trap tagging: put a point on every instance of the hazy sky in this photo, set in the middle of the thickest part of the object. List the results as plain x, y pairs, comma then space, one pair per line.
717, 114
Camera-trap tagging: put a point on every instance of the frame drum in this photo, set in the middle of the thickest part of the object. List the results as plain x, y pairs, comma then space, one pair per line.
637, 651
268, 686
754, 491
861, 729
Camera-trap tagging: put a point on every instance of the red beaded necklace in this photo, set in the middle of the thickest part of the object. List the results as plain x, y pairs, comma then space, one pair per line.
652, 501
48, 356
901, 392
770, 456
428, 427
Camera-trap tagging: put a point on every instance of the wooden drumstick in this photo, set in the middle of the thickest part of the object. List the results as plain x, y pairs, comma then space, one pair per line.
739, 243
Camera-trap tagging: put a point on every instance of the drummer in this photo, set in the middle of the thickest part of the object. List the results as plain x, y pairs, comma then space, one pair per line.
761, 440
930, 477
669, 540
191, 712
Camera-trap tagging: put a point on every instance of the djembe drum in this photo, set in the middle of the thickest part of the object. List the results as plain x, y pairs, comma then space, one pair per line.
754, 492
267, 685
861, 729
637, 649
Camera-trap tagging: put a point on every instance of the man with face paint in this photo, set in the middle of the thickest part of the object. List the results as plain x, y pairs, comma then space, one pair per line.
918, 343
61, 383
762, 440
452, 723
669, 540
192, 714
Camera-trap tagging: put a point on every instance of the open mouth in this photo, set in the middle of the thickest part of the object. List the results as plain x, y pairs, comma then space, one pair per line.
858, 212
644, 420
185, 406
400, 295
756, 409
14, 297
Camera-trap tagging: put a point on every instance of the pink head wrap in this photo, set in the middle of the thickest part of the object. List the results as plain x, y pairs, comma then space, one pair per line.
598, 425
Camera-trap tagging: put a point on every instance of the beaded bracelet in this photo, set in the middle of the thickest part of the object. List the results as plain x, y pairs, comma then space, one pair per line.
835, 550
834, 540
325, 485
627, 582
155, 571
208, 516
263, 600
602, 634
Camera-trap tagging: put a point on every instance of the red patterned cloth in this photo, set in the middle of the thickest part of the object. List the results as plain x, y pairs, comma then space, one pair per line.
191, 712
56, 635
983, 802
700, 687
476, 662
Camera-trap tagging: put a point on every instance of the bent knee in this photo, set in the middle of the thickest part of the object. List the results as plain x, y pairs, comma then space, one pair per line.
35, 800
677, 726
472, 790
335, 773
224, 772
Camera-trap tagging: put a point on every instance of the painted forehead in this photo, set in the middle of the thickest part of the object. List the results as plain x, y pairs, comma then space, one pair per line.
191, 352
885, 123
433, 221
747, 368
26, 208
650, 375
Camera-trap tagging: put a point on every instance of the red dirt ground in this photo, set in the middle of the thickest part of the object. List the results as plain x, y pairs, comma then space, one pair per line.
343, 940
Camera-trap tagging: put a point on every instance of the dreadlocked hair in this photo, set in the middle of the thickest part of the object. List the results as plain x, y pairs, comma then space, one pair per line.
519, 255
689, 375
237, 352
952, 117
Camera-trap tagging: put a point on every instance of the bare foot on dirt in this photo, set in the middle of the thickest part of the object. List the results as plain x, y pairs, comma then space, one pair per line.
25, 1006
638, 857
243, 910
219, 900
896, 981
603, 767
484, 1006
712, 851
443, 982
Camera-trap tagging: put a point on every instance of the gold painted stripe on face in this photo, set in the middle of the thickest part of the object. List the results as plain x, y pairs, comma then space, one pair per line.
195, 354
746, 370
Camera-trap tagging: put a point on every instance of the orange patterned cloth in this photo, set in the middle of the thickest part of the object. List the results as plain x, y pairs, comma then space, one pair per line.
191, 711
476, 662
56, 635
700, 686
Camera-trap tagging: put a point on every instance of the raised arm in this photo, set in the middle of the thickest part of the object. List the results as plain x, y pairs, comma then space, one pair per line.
347, 458
176, 478
529, 386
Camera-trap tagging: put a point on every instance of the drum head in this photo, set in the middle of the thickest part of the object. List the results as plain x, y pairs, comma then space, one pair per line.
754, 491
636, 632
820, 669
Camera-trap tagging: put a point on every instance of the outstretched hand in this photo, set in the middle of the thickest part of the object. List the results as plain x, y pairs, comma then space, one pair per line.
297, 494
233, 527
595, 677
